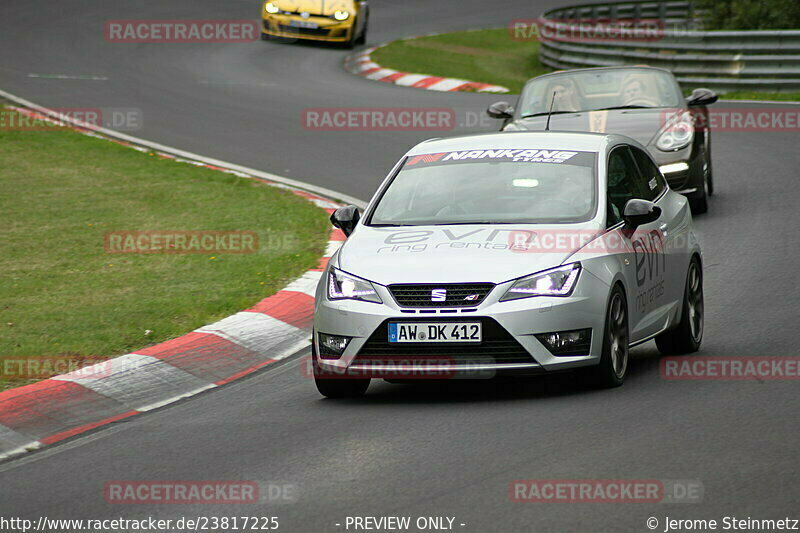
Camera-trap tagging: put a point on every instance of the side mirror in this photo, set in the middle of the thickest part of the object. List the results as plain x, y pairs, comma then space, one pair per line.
701, 97
345, 218
639, 212
500, 110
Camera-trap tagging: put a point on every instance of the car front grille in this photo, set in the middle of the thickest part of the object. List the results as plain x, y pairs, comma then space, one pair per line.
319, 32
455, 295
300, 14
496, 347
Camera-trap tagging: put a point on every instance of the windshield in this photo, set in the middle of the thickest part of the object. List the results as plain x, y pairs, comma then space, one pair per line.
600, 89
490, 186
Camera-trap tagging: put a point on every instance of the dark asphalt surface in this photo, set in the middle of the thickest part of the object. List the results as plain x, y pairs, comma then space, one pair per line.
415, 450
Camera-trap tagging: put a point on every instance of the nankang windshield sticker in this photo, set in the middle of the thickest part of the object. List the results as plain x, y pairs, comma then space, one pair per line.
526, 155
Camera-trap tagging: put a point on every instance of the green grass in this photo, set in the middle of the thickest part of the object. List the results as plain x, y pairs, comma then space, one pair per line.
491, 56
63, 294
488, 56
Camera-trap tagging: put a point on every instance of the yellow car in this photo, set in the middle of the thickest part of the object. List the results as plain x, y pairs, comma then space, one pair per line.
338, 21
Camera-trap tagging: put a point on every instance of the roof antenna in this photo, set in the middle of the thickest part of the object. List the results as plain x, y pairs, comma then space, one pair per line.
549, 113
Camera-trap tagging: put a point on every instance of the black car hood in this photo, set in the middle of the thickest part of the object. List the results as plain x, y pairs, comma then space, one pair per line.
640, 124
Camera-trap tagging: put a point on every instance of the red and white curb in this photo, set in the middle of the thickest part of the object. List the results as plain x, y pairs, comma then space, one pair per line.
362, 64
61, 407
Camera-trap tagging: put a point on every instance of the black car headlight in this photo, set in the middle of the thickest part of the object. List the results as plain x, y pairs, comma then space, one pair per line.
557, 281
677, 134
344, 286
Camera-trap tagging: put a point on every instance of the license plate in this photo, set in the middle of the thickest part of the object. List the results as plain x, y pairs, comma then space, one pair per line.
303, 24
402, 332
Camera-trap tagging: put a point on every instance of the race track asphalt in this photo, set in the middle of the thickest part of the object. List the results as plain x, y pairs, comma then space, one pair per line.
414, 450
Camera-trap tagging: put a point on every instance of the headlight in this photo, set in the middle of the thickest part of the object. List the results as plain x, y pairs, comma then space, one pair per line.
269, 7
554, 282
341, 15
343, 286
677, 134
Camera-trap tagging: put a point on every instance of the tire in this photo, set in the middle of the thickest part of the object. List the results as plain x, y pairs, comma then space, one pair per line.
688, 334
264, 36
698, 201
362, 39
353, 40
710, 180
610, 372
333, 387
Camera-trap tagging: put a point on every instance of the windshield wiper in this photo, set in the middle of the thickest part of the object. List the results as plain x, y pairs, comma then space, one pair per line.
471, 222
390, 225
543, 113
625, 107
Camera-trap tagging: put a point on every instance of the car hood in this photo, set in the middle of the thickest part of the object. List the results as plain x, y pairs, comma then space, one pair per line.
314, 7
452, 254
640, 124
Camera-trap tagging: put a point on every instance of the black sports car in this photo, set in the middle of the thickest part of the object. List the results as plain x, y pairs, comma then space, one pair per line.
644, 103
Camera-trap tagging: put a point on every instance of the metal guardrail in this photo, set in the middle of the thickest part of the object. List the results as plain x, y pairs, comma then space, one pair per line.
720, 60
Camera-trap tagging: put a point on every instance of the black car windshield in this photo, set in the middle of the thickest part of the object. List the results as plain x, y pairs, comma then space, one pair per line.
600, 89
490, 187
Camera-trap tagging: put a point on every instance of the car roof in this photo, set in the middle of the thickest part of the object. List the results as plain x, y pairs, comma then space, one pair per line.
543, 140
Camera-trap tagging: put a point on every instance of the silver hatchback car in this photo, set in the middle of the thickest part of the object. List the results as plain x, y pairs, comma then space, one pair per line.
521, 252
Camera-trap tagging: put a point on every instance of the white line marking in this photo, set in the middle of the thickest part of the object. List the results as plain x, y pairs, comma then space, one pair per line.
68, 77
33, 445
306, 283
168, 401
197, 157
332, 247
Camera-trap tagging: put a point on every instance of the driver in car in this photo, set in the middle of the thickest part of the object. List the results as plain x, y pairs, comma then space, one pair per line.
566, 97
632, 91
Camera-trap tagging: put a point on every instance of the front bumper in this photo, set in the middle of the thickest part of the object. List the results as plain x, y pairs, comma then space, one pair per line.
327, 29
509, 344
677, 175
683, 169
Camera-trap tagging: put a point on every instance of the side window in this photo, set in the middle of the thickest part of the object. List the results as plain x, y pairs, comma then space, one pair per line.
623, 178
653, 182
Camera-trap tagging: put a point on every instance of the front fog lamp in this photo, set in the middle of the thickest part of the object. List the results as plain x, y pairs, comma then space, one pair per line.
677, 134
269, 7
341, 15
343, 286
574, 342
332, 346
554, 282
